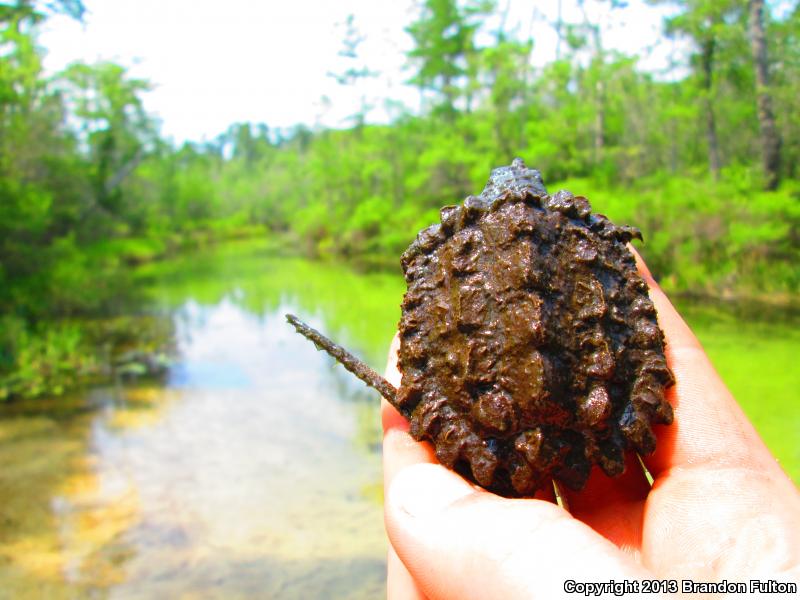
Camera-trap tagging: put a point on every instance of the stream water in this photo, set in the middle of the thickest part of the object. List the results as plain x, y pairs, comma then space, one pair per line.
253, 468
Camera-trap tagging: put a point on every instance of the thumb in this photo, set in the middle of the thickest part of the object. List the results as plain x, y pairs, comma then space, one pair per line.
460, 542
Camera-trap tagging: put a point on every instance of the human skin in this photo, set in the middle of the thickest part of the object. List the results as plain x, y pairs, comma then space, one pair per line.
720, 506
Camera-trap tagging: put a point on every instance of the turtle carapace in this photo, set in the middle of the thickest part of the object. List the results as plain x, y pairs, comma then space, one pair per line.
529, 348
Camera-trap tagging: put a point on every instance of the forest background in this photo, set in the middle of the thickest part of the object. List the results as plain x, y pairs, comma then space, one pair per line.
702, 158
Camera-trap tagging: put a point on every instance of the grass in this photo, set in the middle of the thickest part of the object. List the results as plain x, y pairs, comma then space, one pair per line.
757, 360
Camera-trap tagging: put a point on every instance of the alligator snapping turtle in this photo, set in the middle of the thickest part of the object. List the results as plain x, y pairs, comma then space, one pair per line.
529, 348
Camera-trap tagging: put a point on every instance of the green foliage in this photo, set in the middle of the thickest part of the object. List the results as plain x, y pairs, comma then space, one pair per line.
444, 38
52, 357
88, 189
49, 361
714, 238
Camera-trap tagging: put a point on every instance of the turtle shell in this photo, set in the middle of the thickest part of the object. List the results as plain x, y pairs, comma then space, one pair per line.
529, 348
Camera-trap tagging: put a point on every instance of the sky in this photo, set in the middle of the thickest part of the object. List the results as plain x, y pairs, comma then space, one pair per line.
214, 63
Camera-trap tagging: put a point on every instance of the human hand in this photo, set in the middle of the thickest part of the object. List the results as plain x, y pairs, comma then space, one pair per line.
720, 506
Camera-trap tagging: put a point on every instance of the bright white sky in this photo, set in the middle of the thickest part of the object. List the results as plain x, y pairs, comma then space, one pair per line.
214, 63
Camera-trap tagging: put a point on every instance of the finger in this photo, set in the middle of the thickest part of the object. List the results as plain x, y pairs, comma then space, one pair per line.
458, 542
389, 415
399, 448
391, 419
399, 451
712, 452
393, 374
399, 583
675, 328
710, 429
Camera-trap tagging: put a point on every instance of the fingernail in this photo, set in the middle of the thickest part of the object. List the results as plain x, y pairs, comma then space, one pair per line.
424, 490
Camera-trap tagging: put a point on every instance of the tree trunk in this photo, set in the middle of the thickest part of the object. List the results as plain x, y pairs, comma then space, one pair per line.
123, 171
707, 62
449, 99
770, 139
599, 121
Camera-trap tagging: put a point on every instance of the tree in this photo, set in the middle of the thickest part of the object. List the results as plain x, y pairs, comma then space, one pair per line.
354, 71
704, 22
37, 183
23, 10
507, 66
784, 37
770, 139
246, 141
596, 75
114, 126
444, 38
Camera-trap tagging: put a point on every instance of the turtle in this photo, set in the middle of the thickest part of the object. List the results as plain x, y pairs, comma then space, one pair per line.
530, 350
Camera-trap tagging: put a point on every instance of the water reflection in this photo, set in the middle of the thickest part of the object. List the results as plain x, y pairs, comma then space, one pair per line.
62, 523
253, 471
249, 481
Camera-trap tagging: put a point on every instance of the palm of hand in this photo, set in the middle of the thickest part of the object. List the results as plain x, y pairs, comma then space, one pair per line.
720, 507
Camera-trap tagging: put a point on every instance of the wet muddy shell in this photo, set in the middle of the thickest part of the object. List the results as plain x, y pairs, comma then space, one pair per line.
529, 349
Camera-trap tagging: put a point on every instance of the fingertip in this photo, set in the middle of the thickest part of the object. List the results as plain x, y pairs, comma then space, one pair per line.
423, 489
400, 451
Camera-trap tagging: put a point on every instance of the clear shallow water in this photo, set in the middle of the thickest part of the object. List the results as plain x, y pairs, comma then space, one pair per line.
253, 469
